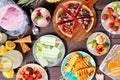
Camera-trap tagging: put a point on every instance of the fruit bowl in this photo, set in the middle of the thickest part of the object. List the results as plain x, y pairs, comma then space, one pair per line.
31, 72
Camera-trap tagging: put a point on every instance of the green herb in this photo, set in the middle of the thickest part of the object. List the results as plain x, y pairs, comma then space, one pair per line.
92, 42
59, 55
38, 17
106, 44
84, 12
62, 15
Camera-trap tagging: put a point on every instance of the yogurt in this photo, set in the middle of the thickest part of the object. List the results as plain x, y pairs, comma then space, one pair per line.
11, 17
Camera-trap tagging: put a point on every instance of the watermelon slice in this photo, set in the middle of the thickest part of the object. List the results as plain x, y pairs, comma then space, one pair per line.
87, 23
72, 6
84, 12
63, 15
67, 28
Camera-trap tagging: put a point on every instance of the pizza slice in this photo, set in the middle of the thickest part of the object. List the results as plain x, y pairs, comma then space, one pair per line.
87, 23
67, 28
63, 15
84, 12
72, 6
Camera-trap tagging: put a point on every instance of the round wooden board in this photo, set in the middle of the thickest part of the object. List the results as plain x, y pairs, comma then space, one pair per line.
79, 33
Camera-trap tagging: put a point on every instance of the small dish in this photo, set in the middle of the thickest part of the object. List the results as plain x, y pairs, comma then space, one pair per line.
41, 17
54, 61
34, 67
110, 17
98, 43
71, 75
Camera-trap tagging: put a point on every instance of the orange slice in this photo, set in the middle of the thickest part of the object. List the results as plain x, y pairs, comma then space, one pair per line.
10, 45
3, 50
111, 65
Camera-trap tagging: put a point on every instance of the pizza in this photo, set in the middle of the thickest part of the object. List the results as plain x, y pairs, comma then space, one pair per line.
72, 6
73, 14
67, 28
84, 12
86, 23
63, 15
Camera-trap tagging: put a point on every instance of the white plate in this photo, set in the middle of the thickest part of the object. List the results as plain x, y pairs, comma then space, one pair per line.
61, 48
105, 23
70, 75
42, 71
92, 37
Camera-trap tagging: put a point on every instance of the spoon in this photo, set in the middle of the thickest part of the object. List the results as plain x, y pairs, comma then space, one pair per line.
35, 30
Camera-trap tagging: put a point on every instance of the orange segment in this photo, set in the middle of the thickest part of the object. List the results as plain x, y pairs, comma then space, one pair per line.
111, 65
3, 50
10, 45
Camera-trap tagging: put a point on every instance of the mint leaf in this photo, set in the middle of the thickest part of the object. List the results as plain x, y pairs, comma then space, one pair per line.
106, 44
91, 42
38, 17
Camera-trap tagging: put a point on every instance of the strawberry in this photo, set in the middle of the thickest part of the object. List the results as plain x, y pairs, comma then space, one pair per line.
105, 17
38, 13
115, 28
48, 18
110, 25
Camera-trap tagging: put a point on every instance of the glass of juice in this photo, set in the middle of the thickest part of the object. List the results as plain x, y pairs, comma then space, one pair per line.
5, 63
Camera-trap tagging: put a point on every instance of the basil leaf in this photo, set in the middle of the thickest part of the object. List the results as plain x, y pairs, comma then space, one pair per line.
106, 44
91, 42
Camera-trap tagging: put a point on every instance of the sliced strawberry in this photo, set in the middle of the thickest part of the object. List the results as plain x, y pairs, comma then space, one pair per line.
105, 17
110, 25
115, 28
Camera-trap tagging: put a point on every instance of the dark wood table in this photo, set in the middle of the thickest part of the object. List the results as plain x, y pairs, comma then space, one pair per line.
54, 72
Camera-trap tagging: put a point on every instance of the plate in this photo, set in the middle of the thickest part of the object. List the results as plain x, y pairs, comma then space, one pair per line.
61, 48
44, 74
70, 75
105, 23
111, 56
92, 37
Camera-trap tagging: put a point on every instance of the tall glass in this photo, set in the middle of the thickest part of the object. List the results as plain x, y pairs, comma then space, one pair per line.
5, 64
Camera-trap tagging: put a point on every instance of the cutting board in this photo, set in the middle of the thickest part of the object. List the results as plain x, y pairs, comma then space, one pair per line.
79, 33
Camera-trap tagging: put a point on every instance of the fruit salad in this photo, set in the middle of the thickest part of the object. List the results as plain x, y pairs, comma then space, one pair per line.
29, 73
41, 17
111, 17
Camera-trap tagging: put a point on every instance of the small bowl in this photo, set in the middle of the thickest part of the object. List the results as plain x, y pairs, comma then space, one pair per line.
41, 17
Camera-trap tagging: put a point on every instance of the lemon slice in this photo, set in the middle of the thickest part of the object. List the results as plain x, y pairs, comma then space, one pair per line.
53, 1
3, 50
8, 74
10, 45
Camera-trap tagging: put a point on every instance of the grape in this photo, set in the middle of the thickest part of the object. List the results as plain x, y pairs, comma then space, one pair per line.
114, 4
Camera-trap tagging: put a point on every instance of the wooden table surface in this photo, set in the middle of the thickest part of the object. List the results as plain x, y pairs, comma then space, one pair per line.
54, 72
